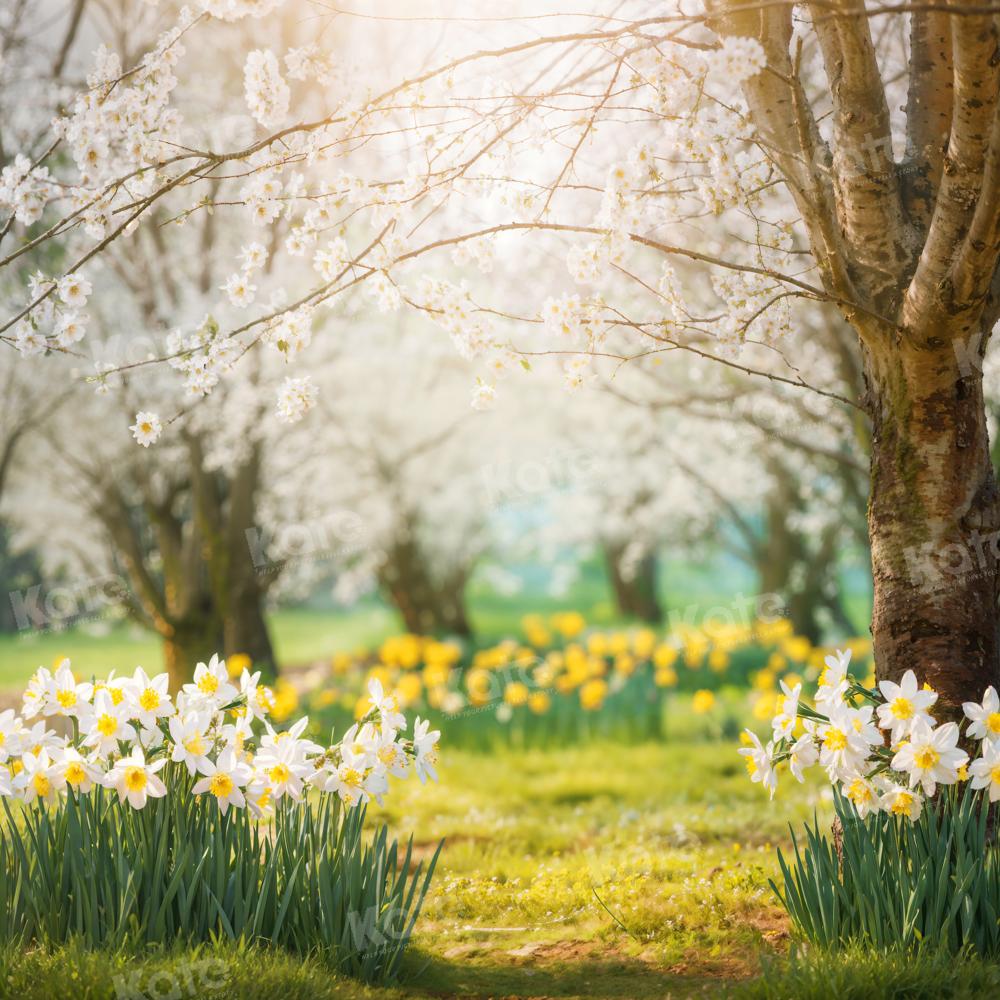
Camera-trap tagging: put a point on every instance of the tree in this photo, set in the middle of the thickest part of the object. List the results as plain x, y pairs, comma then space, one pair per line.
621, 135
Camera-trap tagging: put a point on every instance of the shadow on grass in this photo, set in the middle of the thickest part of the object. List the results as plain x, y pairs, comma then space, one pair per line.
591, 974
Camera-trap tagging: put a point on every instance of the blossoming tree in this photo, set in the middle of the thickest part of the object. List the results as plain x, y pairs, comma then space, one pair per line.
746, 152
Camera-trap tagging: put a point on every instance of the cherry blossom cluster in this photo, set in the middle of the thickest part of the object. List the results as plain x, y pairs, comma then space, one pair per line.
128, 734
881, 745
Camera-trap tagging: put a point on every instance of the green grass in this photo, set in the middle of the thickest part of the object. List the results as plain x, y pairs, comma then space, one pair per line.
622, 873
605, 871
300, 635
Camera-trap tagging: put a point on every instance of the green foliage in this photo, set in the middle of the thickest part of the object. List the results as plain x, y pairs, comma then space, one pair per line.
900, 885
856, 974
107, 876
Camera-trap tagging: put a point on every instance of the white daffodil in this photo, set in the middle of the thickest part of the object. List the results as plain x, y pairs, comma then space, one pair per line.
783, 724
35, 696
64, 696
902, 802
192, 744
904, 704
6, 784
107, 725
985, 718
11, 731
833, 682
388, 707
38, 778
425, 748
38, 738
211, 684
759, 762
284, 769
135, 779
931, 756
260, 801
235, 734
864, 794
225, 780
259, 697
390, 753
116, 687
846, 741
78, 772
985, 770
149, 698
802, 754
346, 780
290, 740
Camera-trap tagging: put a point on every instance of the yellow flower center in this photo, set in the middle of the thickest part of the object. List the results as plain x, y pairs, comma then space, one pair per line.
117, 695
149, 700
351, 777
135, 779
67, 698
221, 785
208, 684
195, 745
901, 804
75, 773
902, 708
835, 739
926, 757
995, 774
42, 785
387, 755
993, 723
859, 792
279, 773
751, 765
107, 725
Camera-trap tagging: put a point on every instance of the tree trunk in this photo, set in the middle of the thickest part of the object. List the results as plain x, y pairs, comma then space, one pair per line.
246, 631
187, 644
635, 594
933, 520
426, 607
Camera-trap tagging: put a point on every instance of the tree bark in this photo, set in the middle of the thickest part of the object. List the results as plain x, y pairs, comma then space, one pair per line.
426, 606
187, 644
933, 520
635, 594
245, 631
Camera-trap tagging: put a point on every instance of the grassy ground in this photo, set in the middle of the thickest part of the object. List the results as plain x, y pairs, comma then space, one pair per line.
605, 871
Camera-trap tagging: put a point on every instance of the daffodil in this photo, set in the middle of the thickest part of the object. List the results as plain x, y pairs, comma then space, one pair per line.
904, 704
225, 780
76, 771
38, 778
149, 698
107, 724
136, 780
64, 695
985, 717
211, 686
985, 770
931, 756
11, 729
760, 762
191, 742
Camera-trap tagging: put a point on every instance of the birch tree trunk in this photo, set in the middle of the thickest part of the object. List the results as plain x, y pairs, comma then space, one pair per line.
908, 252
